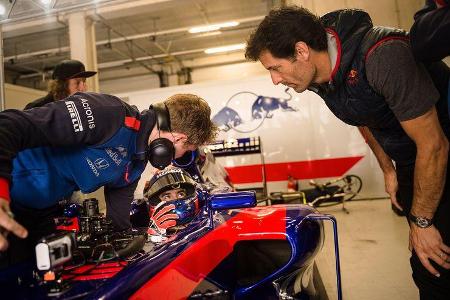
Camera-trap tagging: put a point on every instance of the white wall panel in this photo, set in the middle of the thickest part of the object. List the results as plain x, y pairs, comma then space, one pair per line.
135, 83
235, 71
16, 97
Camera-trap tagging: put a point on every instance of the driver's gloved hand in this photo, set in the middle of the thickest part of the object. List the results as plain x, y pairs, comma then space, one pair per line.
163, 217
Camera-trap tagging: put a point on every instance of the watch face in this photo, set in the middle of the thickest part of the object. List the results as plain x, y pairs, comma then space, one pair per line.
423, 222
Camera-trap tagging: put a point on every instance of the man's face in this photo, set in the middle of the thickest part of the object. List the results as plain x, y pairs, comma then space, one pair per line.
297, 74
173, 194
178, 139
181, 147
76, 85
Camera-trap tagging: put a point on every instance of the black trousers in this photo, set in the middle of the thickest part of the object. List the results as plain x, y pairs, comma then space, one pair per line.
430, 286
38, 222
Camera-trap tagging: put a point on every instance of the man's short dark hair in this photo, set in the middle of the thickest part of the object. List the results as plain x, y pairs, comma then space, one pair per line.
282, 29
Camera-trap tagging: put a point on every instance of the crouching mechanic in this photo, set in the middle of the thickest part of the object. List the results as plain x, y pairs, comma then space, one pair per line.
173, 201
83, 142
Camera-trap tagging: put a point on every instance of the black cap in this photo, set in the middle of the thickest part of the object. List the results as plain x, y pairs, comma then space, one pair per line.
68, 69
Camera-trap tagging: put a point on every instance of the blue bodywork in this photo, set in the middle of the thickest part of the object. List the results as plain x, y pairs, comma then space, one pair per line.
282, 235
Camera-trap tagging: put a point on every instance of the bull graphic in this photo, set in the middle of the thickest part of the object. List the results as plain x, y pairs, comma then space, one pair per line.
264, 106
227, 118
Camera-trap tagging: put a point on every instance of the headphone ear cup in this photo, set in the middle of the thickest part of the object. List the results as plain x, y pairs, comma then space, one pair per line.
160, 153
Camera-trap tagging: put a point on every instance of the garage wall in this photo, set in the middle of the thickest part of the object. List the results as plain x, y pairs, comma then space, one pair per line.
236, 71
18, 96
203, 70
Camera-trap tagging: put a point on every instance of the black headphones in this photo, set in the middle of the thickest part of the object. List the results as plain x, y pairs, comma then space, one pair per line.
161, 151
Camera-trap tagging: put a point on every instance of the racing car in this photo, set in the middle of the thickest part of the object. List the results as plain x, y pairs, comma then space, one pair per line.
231, 249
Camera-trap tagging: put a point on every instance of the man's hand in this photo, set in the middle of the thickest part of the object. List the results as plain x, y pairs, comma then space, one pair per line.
7, 224
428, 244
391, 187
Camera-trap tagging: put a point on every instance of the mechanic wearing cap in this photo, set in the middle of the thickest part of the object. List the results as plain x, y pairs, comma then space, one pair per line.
69, 77
368, 77
84, 142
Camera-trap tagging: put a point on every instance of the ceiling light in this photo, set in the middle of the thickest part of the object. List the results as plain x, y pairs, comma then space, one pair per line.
213, 27
46, 2
2, 9
206, 34
225, 48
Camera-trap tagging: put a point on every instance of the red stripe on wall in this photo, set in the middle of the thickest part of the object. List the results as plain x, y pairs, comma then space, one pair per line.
320, 168
179, 279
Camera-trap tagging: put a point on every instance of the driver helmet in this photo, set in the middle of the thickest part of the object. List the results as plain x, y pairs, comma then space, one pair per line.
174, 186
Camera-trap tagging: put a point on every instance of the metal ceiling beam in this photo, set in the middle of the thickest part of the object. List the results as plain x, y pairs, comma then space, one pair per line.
118, 63
169, 31
204, 66
193, 63
37, 53
119, 39
130, 44
144, 58
45, 19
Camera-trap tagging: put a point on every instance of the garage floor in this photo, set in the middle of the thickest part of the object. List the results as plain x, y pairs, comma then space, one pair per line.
374, 253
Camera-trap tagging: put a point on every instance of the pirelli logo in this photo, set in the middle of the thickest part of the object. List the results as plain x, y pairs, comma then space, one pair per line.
75, 116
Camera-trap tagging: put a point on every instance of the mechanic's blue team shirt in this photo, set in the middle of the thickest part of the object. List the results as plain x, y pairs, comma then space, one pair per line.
43, 176
80, 143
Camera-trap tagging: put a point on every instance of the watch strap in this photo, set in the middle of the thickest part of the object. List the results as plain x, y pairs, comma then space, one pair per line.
421, 222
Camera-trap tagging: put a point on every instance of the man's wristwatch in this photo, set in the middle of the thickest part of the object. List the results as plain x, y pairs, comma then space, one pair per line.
421, 222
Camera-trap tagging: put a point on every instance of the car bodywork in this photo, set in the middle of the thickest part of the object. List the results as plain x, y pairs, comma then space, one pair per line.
232, 250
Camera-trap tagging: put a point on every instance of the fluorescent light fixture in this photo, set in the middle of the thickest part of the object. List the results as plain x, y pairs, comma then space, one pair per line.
2, 9
213, 27
206, 34
225, 48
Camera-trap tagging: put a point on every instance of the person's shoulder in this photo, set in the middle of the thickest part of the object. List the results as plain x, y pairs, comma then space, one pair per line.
40, 101
390, 53
99, 98
391, 46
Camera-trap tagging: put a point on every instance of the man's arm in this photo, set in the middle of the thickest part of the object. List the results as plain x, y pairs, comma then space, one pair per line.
429, 180
118, 205
431, 162
82, 119
386, 165
411, 95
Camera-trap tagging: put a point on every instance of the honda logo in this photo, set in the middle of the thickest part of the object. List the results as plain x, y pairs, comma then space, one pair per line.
101, 163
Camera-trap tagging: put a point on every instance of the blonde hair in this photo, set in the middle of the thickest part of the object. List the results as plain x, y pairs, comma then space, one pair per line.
191, 115
58, 89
